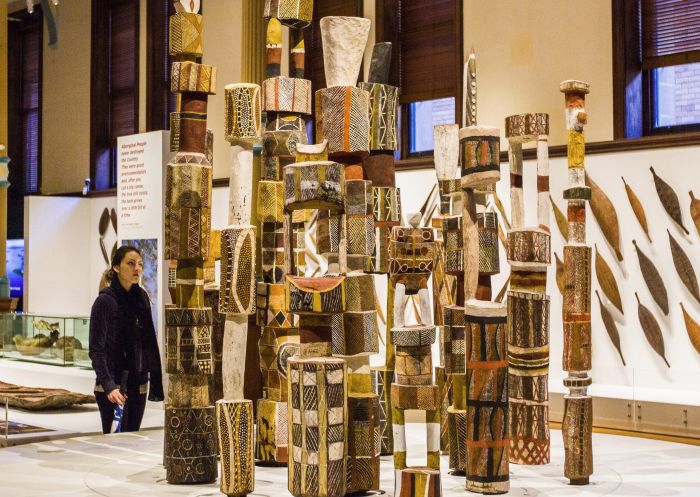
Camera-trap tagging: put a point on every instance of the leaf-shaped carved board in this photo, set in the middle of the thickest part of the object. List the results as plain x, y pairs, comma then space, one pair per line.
695, 211
693, 329
637, 208
560, 273
501, 210
113, 218
683, 267
104, 222
607, 281
104, 251
669, 200
653, 279
610, 327
560, 218
651, 329
502, 291
606, 215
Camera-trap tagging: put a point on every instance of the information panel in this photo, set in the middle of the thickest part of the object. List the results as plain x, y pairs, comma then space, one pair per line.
141, 163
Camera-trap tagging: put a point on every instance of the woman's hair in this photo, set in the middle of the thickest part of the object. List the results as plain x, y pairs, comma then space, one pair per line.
106, 278
119, 257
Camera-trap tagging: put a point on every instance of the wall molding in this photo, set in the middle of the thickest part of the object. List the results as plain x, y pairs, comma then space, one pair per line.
421, 163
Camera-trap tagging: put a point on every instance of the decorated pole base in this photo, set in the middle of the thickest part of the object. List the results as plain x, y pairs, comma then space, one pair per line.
190, 445
528, 358
417, 482
318, 426
234, 422
578, 447
487, 398
457, 429
271, 441
363, 443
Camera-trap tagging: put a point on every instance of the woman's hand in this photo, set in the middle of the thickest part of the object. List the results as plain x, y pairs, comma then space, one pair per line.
116, 397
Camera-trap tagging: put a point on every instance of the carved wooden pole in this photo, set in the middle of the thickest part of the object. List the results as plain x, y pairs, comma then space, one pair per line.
190, 432
237, 298
576, 313
412, 256
529, 255
486, 453
287, 102
480, 432
378, 167
317, 383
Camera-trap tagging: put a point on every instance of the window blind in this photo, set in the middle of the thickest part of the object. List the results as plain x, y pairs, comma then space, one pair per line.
160, 100
670, 32
31, 102
429, 52
123, 87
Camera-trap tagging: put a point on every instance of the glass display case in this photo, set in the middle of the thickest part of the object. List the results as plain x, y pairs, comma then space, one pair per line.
59, 340
81, 334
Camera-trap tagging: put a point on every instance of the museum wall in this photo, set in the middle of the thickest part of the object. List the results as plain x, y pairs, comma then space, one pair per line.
645, 377
524, 50
68, 285
65, 127
63, 260
222, 49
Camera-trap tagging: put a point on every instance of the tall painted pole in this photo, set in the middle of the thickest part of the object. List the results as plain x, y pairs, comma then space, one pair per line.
576, 313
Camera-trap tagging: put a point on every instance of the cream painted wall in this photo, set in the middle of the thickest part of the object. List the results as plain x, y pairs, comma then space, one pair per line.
222, 48
525, 49
65, 154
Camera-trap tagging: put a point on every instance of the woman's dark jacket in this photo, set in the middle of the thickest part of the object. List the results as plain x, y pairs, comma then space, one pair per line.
123, 339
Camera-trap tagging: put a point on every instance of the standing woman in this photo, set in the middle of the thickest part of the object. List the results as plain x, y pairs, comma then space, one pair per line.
123, 345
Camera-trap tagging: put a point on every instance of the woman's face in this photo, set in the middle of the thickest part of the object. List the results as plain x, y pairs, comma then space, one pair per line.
130, 269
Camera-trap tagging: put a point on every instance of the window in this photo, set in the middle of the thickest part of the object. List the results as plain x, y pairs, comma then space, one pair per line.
25, 96
115, 79
24, 92
656, 49
160, 100
423, 116
427, 65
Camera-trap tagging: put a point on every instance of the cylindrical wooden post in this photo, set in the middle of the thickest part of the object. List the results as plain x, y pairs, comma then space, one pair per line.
487, 399
190, 443
234, 422
190, 432
317, 418
529, 254
576, 312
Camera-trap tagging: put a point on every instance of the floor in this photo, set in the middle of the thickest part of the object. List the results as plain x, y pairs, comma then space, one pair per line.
130, 464
64, 423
